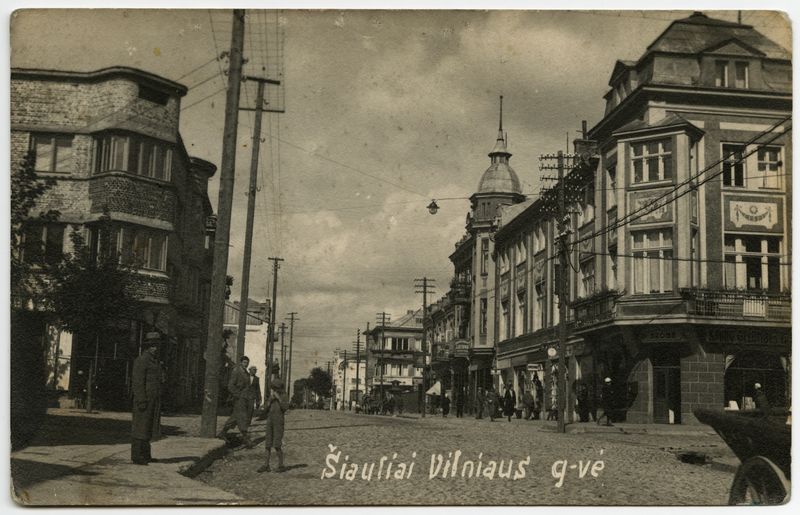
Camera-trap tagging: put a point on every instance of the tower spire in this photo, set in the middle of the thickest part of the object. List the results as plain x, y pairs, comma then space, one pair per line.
501, 113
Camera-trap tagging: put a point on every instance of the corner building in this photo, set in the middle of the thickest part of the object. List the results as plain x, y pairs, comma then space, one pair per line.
680, 284
110, 141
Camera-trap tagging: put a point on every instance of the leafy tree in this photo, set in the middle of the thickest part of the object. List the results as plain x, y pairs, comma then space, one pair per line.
320, 382
91, 290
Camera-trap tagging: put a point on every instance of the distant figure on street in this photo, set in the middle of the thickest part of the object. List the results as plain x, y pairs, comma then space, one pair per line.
480, 400
445, 405
762, 403
460, 404
276, 407
528, 404
239, 388
491, 403
606, 401
146, 401
399, 404
509, 401
582, 399
255, 393
538, 396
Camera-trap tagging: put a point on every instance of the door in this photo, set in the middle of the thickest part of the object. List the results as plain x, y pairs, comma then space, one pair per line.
666, 395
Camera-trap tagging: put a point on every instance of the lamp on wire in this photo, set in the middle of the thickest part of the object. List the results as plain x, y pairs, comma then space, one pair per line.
433, 207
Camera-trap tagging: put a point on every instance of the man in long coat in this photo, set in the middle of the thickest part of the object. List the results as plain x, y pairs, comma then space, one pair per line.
480, 400
255, 392
146, 401
239, 387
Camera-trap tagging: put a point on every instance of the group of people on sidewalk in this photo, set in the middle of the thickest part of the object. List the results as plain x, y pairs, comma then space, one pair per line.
244, 388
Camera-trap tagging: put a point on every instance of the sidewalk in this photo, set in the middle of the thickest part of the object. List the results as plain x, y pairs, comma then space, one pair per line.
84, 459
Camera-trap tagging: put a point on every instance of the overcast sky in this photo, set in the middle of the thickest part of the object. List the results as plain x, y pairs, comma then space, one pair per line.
384, 111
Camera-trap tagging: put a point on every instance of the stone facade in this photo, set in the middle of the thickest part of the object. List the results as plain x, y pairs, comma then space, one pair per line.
120, 152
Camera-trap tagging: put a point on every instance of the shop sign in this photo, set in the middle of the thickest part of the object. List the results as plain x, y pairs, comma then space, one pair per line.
535, 367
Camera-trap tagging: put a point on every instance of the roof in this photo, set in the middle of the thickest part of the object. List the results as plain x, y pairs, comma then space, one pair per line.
698, 33
408, 320
510, 212
669, 121
102, 74
499, 178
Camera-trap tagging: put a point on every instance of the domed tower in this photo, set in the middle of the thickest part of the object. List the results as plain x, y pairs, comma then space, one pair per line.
498, 186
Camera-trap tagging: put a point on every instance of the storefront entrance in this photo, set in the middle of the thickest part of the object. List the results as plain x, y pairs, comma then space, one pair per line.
666, 387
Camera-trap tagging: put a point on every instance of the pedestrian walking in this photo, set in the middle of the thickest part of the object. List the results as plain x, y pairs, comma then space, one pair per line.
460, 404
509, 401
762, 403
445, 406
254, 393
239, 388
606, 401
582, 399
528, 404
491, 403
538, 396
146, 400
276, 407
480, 400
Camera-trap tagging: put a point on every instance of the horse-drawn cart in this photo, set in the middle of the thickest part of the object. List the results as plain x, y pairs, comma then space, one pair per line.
763, 445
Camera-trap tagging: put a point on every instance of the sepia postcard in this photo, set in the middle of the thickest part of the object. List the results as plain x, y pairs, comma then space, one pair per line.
288, 257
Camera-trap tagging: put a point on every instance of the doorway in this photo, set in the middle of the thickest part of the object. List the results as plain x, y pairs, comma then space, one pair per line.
666, 387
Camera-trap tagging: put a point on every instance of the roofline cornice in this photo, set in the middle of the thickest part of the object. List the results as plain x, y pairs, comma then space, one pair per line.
104, 73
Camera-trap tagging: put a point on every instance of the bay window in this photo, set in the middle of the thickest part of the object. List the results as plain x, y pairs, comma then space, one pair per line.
652, 161
134, 154
652, 261
143, 247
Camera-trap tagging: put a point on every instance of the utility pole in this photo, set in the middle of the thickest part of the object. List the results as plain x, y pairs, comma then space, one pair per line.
344, 380
366, 359
276, 264
251, 209
563, 223
383, 318
282, 370
208, 423
422, 286
358, 364
288, 368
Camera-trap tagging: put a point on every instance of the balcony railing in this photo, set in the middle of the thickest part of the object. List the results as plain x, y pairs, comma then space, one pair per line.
738, 304
598, 308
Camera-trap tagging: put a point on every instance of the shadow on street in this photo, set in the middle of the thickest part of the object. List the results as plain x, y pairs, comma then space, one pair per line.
25, 473
80, 430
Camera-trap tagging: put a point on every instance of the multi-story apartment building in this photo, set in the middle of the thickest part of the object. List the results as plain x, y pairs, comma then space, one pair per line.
349, 378
254, 345
110, 140
395, 356
680, 253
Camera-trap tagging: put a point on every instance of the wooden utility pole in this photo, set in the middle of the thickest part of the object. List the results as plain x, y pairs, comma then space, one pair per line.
345, 403
563, 234
422, 286
271, 334
251, 209
208, 423
288, 374
366, 359
281, 370
358, 364
383, 317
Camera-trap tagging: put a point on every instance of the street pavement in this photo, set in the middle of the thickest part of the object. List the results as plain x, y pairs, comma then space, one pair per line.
590, 465
84, 459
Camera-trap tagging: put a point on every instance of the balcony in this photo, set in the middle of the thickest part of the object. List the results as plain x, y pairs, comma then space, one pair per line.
440, 352
739, 305
460, 291
598, 308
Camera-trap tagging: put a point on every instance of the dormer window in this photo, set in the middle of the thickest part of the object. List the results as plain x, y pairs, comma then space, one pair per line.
153, 95
721, 74
742, 80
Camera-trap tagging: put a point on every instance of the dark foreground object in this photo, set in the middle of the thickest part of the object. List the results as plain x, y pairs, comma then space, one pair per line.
763, 443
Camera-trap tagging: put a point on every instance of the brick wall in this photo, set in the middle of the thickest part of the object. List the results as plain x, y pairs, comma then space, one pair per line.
127, 194
702, 383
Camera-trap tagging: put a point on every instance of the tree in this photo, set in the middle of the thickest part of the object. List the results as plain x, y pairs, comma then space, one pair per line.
27, 359
91, 290
298, 391
320, 382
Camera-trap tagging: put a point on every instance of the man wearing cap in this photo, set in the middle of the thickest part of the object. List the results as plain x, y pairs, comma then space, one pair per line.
606, 394
146, 399
239, 387
254, 393
276, 405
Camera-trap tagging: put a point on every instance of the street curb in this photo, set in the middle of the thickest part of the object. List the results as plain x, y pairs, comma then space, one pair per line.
193, 470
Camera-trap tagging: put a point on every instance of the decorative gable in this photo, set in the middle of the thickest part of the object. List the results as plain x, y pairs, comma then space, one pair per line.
733, 47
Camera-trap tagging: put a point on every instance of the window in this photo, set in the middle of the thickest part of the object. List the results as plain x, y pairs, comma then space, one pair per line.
43, 244
611, 189
612, 263
733, 165
695, 258
742, 79
652, 261
769, 168
505, 322
399, 344
153, 95
587, 278
520, 317
53, 153
538, 239
587, 205
752, 262
143, 247
504, 264
541, 318
521, 252
721, 74
133, 154
484, 316
484, 256
652, 161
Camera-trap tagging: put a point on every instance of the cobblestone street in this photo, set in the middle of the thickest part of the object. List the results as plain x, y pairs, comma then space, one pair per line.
628, 468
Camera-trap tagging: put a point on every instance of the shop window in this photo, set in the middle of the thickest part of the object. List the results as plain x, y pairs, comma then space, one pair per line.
652, 161
753, 262
43, 244
652, 261
53, 153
